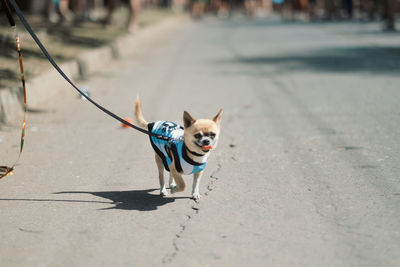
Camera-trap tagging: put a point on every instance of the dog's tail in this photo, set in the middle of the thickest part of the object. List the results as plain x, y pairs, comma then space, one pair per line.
139, 115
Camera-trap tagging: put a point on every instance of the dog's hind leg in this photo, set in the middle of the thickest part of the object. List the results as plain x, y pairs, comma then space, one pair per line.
160, 166
172, 183
180, 183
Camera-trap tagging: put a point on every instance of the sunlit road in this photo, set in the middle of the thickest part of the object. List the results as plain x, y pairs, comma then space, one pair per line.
306, 172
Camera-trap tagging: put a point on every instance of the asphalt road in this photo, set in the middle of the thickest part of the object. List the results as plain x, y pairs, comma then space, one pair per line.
306, 172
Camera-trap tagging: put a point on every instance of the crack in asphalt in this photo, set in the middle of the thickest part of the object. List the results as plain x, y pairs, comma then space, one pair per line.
170, 256
214, 178
195, 209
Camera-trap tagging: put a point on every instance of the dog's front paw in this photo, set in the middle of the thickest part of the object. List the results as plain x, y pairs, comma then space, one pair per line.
196, 197
164, 193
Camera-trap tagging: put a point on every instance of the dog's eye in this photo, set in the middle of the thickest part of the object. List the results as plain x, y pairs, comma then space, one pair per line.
212, 135
197, 136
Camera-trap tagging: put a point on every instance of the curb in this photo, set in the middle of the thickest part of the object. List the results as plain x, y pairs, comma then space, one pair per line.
47, 86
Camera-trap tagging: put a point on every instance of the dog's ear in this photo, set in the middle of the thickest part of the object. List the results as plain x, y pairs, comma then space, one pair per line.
217, 117
187, 119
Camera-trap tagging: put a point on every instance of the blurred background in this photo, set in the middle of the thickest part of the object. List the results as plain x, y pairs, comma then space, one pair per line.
70, 26
57, 11
307, 169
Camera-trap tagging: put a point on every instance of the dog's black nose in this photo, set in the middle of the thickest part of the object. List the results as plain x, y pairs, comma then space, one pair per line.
206, 142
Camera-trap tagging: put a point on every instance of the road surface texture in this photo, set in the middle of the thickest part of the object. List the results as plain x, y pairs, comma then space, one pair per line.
306, 172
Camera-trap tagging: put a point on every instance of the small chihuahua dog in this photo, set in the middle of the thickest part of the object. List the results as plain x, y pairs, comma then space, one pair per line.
187, 150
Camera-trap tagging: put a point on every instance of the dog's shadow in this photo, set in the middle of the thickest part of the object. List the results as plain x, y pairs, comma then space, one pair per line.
140, 200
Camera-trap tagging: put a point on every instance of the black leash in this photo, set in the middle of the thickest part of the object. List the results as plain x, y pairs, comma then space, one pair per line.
51, 60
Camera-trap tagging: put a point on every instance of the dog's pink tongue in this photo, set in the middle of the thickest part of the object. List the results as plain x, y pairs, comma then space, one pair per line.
206, 147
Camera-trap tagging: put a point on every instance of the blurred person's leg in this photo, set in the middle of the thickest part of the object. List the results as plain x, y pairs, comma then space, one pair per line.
64, 10
91, 10
388, 14
250, 6
287, 10
368, 8
110, 9
278, 6
311, 9
198, 8
134, 6
373, 9
304, 9
331, 9
223, 8
178, 5
50, 11
267, 5
78, 7
348, 7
